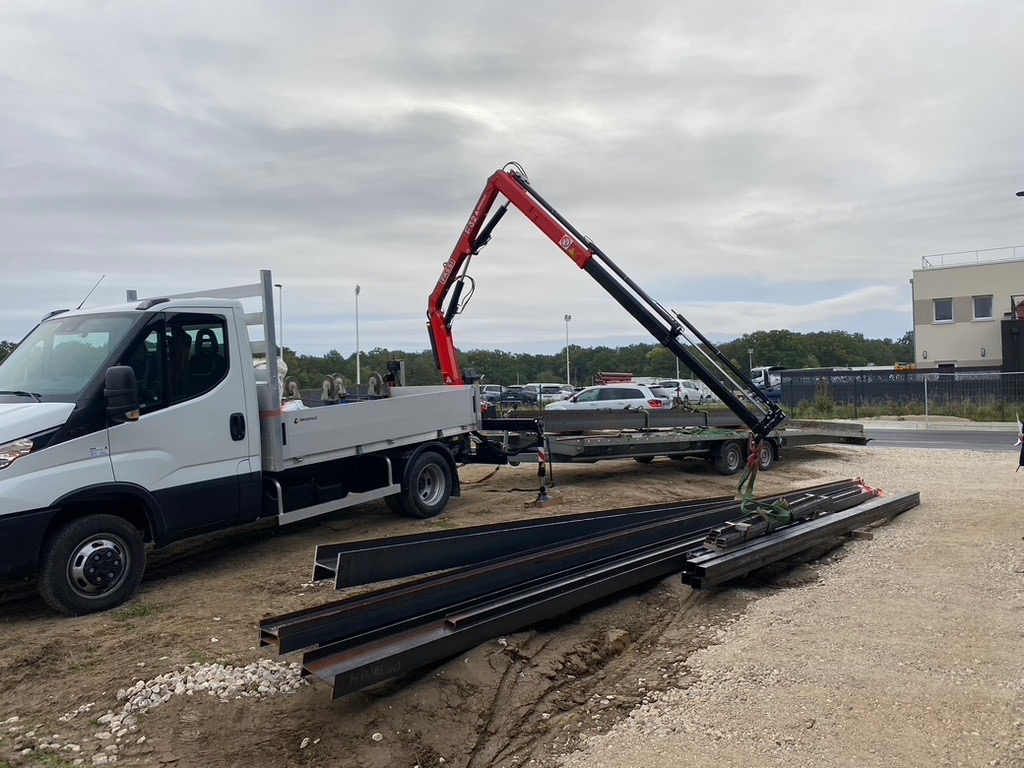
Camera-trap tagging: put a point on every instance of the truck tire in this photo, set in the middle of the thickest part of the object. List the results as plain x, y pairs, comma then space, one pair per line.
729, 458
91, 564
428, 488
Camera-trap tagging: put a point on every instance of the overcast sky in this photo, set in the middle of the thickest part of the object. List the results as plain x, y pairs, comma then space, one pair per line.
753, 165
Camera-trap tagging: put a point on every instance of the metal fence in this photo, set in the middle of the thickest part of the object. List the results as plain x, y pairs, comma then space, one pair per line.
1001, 394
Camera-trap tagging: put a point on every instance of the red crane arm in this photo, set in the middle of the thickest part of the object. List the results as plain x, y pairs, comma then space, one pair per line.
513, 185
670, 329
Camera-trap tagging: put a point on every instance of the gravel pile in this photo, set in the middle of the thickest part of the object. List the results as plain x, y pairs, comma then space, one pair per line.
116, 727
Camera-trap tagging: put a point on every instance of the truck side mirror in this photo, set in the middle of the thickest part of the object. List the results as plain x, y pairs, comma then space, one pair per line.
121, 394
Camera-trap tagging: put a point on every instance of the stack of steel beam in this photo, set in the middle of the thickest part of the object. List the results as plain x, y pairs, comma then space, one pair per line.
487, 581
709, 568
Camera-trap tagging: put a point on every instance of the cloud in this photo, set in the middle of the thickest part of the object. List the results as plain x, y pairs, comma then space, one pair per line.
757, 165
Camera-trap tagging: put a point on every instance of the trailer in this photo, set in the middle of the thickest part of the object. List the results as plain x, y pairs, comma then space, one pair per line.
712, 436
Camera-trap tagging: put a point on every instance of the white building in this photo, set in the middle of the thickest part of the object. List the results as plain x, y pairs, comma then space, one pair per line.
964, 305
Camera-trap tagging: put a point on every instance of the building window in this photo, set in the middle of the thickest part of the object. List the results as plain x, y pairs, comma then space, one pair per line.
943, 310
982, 307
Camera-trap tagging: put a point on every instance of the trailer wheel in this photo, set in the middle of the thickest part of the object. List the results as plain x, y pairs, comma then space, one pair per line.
766, 458
429, 487
729, 458
91, 564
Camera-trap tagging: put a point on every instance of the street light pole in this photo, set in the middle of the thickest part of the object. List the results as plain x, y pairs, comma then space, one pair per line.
750, 354
567, 319
358, 377
280, 318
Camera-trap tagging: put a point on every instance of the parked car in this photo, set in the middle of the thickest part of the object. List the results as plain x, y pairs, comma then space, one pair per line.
684, 392
612, 397
491, 393
518, 393
503, 397
545, 393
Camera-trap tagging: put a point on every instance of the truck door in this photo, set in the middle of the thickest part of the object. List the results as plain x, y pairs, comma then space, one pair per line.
190, 445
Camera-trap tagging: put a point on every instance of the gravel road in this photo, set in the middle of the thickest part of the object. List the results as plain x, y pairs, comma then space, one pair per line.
905, 652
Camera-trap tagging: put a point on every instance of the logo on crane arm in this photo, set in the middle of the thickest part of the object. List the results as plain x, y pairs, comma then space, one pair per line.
446, 272
474, 216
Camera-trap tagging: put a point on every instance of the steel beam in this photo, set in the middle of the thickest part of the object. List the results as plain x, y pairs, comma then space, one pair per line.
364, 562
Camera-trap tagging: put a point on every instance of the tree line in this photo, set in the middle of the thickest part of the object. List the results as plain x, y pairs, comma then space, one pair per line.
779, 347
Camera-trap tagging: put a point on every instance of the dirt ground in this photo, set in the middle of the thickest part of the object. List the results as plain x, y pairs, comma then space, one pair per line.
903, 650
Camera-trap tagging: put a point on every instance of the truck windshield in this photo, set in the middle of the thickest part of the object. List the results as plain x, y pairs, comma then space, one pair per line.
62, 355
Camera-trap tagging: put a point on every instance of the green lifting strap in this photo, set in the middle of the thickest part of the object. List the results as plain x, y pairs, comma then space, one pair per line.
775, 515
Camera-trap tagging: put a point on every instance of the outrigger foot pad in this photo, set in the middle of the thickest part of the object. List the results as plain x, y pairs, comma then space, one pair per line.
544, 499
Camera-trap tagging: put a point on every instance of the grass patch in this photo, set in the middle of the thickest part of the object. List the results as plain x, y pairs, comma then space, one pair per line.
49, 759
199, 657
138, 611
826, 408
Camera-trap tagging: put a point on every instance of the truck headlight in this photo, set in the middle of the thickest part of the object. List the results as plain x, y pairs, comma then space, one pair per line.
13, 450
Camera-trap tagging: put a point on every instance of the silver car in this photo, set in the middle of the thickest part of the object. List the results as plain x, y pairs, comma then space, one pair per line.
685, 392
612, 397
544, 393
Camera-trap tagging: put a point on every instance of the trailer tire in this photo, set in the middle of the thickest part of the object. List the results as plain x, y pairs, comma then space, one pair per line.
428, 487
766, 458
92, 563
729, 458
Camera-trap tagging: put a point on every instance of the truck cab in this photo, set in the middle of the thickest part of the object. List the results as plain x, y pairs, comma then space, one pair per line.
768, 379
120, 426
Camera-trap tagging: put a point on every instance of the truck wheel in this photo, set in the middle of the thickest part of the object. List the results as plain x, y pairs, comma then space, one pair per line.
429, 488
729, 458
91, 564
766, 458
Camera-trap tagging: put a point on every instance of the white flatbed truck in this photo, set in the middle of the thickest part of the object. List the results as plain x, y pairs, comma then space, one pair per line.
162, 418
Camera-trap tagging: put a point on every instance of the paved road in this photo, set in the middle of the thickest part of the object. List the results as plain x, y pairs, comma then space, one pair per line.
964, 439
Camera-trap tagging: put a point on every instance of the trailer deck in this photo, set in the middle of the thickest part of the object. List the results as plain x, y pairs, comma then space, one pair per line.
590, 436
